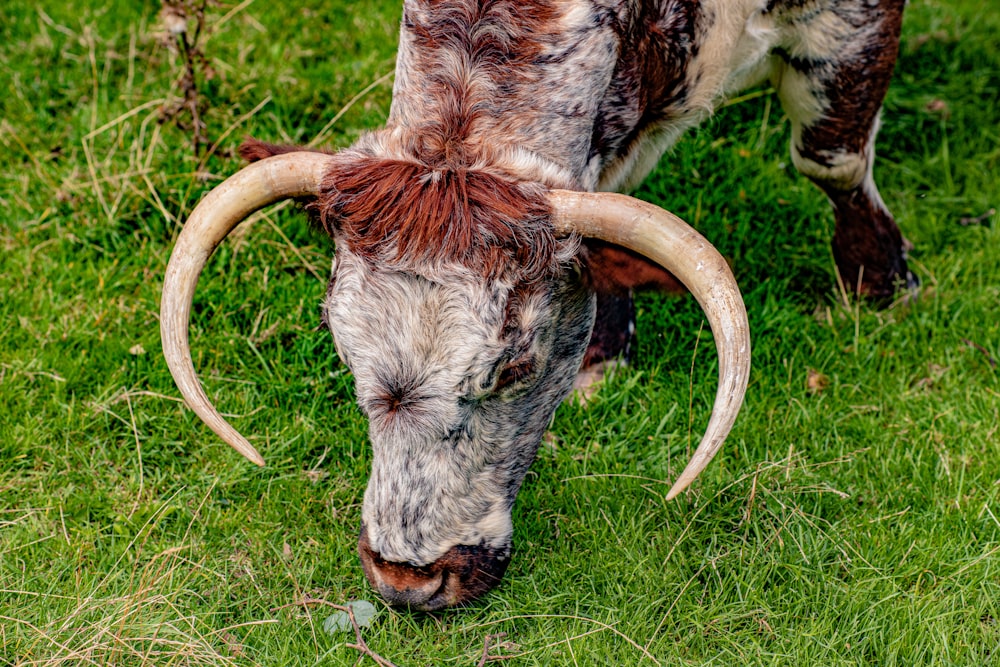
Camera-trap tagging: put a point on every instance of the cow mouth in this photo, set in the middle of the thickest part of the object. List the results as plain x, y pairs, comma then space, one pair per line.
461, 575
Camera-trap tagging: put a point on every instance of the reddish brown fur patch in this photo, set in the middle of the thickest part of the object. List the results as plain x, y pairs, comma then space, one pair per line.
405, 214
396, 212
497, 35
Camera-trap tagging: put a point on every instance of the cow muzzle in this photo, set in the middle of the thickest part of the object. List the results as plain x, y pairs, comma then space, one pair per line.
463, 574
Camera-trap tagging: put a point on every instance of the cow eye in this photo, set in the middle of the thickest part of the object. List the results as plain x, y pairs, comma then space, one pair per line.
515, 372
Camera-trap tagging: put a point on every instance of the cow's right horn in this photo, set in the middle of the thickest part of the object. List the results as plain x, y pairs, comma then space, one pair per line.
670, 242
261, 183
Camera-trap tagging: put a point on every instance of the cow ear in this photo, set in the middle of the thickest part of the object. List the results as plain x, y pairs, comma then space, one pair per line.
612, 269
253, 150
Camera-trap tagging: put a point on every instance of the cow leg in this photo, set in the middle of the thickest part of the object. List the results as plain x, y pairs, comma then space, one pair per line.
831, 85
614, 273
611, 341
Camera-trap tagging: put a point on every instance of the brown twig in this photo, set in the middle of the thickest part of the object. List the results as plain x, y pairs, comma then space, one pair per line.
487, 643
977, 220
175, 15
360, 646
977, 346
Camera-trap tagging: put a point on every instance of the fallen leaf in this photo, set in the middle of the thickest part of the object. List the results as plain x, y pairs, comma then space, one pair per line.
233, 644
339, 621
315, 476
816, 381
938, 107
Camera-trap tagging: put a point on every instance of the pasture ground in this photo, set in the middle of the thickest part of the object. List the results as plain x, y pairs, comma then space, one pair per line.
852, 519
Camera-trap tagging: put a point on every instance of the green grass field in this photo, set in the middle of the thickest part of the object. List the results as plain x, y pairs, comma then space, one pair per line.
853, 517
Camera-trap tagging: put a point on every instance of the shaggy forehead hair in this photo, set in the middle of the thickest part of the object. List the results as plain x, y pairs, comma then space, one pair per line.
404, 215
437, 193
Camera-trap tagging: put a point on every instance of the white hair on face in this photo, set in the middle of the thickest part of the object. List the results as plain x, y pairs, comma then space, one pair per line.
449, 451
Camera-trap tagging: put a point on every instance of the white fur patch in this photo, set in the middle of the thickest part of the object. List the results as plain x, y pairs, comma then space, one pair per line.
449, 451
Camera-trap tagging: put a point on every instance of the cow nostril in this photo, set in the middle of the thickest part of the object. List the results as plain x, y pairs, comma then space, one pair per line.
421, 595
405, 584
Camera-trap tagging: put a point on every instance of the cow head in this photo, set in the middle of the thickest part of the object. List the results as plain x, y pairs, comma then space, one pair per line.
457, 300
463, 320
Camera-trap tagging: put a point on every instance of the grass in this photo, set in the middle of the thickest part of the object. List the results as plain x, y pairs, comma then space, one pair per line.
852, 519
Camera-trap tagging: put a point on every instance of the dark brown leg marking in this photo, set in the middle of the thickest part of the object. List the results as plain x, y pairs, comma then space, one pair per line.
614, 329
836, 150
868, 247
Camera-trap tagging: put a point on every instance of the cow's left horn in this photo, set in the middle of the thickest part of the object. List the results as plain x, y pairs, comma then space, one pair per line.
280, 177
667, 240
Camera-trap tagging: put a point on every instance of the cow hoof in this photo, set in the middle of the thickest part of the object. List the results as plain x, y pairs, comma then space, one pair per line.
902, 291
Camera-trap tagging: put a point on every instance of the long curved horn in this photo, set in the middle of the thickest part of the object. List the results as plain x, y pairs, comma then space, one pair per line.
667, 240
262, 183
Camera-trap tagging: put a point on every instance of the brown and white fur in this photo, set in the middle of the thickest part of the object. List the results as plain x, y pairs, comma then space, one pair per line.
463, 319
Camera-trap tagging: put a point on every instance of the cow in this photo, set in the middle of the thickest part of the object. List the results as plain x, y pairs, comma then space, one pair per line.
485, 261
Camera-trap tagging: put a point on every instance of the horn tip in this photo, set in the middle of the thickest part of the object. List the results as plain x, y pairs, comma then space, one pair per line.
247, 451
677, 488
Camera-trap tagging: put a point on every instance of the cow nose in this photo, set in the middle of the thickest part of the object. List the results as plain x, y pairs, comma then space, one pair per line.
463, 574
399, 583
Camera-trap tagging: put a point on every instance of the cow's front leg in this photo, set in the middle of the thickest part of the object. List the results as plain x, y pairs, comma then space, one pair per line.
832, 86
614, 273
611, 342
